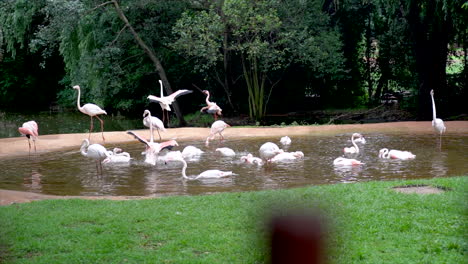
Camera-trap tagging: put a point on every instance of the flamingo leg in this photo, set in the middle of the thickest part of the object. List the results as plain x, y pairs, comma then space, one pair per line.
29, 142
102, 128
34, 141
167, 113
90, 128
159, 134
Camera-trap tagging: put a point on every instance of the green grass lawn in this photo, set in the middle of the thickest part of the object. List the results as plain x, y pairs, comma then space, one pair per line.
369, 223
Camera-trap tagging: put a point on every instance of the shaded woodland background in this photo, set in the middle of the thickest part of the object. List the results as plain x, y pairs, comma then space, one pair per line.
257, 58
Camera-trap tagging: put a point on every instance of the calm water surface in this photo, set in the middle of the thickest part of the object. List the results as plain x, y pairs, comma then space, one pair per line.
69, 173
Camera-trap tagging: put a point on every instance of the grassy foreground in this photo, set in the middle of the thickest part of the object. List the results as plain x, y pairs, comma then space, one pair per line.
371, 224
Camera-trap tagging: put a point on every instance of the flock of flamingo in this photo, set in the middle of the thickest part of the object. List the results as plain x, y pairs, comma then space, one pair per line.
269, 152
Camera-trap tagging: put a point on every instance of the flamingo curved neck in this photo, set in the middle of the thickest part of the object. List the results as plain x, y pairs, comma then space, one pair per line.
354, 144
433, 108
161, 85
184, 169
151, 124
83, 148
78, 100
207, 98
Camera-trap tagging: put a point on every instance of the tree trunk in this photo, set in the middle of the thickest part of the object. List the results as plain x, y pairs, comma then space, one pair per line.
157, 64
226, 57
430, 35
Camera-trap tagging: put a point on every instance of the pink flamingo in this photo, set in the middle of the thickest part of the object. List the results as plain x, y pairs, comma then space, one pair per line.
30, 130
346, 162
152, 149
354, 148
211, 107
152, 121
269, 150
94, 151
208, 174
395, 154
92, 110
166, 101
216, 128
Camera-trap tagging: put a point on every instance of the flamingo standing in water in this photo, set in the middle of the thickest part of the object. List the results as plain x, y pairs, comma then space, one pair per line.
117, 156
285, 140
191, 151
94, 151
209, 174
152, 149
30, 130
395, 154
226, 152
211, 107
92, 110
268, 150
354, 148
346, 162
437, 123
153, 122
250, 159
287, 156
166, 101
216, 128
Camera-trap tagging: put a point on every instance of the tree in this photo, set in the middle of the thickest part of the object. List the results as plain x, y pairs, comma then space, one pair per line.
266, 37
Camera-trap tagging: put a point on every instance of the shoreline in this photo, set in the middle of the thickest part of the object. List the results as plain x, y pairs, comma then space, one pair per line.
17, 146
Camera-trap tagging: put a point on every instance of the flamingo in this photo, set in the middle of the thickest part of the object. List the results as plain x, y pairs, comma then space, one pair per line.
30, 130
285, 140
117, 156
191, 151
92, 110
94, 151
153, 122
268, 150
250, 159
211, 107
287, 156
166, 101
437, 123
361, 140
216, 128
208, 174
395, 154
152, 149
171, 155
226, 152
346, 162
354, 148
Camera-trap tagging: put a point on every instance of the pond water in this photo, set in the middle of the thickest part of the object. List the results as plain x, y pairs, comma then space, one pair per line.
64, 122
69, 173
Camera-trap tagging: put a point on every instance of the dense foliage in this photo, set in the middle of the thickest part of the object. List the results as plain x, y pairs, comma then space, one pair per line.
256, 57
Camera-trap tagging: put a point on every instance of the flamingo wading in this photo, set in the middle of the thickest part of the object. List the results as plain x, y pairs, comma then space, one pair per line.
437, 123
208, 174
92, 110
216, 128
30, 130
94, 151
354, 148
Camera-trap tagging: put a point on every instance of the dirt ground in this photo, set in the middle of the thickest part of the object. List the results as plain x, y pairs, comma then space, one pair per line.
19, 146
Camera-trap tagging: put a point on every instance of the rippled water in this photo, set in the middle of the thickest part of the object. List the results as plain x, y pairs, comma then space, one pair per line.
69, 173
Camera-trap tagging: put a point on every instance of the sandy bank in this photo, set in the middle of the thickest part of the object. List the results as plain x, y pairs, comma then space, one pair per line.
19, 145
